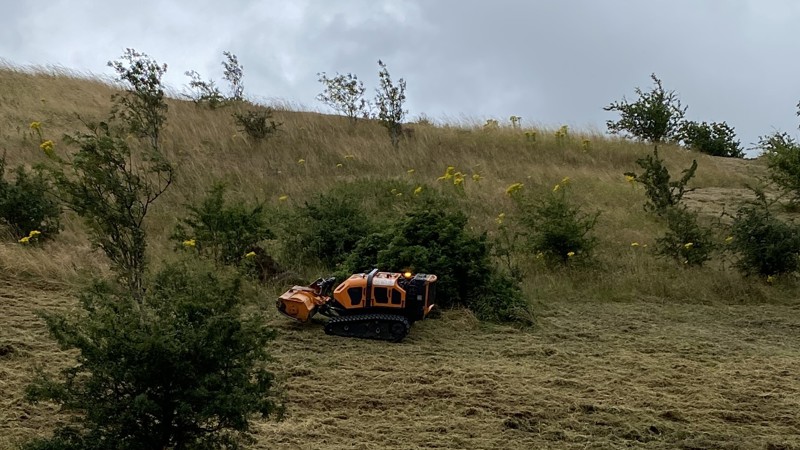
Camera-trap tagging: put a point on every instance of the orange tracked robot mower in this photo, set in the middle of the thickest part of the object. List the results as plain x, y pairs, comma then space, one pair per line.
374, 305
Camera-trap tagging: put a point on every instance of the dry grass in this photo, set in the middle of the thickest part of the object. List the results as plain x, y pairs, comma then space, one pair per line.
633, 352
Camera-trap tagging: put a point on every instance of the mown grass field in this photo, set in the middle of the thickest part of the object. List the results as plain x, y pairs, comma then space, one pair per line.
633, 351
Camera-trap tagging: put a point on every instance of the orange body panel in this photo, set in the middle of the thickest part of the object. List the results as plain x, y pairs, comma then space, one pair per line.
300, 302
386, 293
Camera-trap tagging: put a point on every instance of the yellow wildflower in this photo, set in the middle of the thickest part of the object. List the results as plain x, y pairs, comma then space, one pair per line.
476, 177
729, 239
34, 233
500, 218
458, 178
301, 161
634, 244
556, 187
250, 255
448, 174
189, 243
770, 279
25, 240
539, 255
36, 125
514, 188
565, 181
418, 190
570, 254
630, 179
339, 166
410, 171
688, 245
48, 147
283, 198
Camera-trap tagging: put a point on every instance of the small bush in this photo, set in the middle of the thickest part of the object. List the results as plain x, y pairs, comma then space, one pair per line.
716, 139
27, 204
766, 245
258, 125
686, 241
783, 159
555, 228
656, 116
223, 231
203, 92
661, 192
182, 367
434, 240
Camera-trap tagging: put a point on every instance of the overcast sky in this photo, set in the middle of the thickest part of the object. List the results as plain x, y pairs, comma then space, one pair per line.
552, 62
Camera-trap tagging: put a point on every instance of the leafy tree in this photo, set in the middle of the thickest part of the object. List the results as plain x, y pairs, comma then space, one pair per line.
344, 94
113, 194
142, 107
179, 368
783, 159
716, 139
389, 100
656, 116
233, 75
660, 190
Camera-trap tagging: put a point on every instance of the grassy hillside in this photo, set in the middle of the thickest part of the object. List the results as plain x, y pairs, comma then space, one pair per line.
632, 351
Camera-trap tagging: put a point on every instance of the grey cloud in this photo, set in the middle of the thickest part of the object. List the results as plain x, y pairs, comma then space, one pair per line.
550, 62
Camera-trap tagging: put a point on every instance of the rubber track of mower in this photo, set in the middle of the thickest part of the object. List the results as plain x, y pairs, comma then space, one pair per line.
364, 326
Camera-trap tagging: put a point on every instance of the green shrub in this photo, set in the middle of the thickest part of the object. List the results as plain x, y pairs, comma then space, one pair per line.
27, 205
203, 92
257, 124
333, 227
656, 116
783, 159
555, 228
716, 139
685, 241
431, 239
223, 231
766, 245
661, 192
182, 367
328, 226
